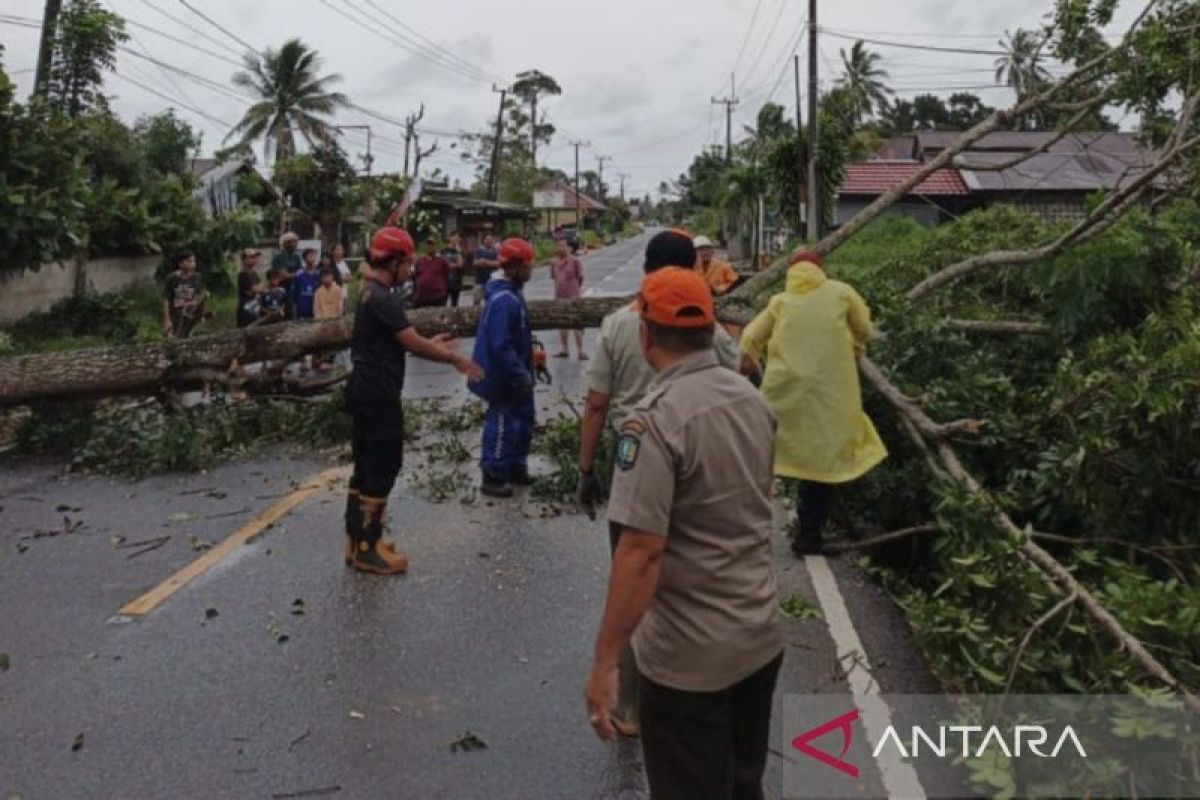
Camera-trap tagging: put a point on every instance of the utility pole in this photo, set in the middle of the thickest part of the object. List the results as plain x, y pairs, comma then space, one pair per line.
578, 205
410, 134
622, 176
600, 180
814, 192
41, 81
729, 103
494, 173
800, 165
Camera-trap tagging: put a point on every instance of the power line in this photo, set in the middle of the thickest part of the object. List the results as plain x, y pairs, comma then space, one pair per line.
737, 62
218, 26
183, 42
183, 23
173, 100
767, 42
394, 40
907, 34
418, 34
907, 46
167, 75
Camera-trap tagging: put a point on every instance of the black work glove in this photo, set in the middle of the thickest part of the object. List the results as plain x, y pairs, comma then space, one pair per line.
588, 492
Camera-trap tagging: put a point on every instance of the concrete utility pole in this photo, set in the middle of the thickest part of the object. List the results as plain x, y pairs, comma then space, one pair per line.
578, 204
41, 81
600, 180
494, 172
622, 176
729, 103
800, 165
814, 192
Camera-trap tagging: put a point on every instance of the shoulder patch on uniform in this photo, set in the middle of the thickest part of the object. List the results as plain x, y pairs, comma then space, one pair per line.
628, 447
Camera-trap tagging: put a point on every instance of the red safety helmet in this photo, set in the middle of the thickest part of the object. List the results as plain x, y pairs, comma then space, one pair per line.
516, 250
390, 242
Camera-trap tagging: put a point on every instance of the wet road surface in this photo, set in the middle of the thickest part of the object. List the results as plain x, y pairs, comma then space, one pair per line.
277, 672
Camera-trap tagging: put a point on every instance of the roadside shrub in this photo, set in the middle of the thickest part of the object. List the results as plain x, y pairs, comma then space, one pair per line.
107, 316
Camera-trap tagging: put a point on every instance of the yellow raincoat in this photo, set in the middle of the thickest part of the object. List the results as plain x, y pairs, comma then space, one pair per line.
812, 334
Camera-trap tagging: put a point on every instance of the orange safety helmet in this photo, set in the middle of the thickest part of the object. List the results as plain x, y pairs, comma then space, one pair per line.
389, 242
516, 250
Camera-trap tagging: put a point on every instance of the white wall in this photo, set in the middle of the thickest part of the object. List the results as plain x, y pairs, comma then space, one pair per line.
25, 292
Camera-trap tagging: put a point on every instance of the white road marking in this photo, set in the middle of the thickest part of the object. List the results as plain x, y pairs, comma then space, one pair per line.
899, 778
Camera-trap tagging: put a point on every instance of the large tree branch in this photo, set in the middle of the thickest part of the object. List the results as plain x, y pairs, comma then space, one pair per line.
1028, 550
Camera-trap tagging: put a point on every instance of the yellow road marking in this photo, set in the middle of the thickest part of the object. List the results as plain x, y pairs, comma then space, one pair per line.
247, 533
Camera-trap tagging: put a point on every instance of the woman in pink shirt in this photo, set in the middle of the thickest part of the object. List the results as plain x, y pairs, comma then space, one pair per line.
567, 272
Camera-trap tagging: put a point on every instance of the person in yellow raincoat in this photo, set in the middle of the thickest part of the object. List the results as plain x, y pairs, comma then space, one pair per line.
812, 334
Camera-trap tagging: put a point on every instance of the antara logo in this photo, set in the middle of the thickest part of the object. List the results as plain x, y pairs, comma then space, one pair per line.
843, 722
1023, 739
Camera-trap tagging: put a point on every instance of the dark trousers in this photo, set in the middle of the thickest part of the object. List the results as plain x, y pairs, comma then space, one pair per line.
452, 297
507, 436
376, 439
816, 499
708, 745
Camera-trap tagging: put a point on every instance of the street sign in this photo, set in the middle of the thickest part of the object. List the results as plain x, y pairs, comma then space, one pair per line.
550, 199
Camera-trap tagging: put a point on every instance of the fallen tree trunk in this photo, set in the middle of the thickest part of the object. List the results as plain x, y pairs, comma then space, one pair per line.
149, 368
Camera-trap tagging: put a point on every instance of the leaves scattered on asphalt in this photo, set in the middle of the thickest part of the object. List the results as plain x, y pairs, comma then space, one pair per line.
298, 607
357, 715
5, 662
467, 743
77, 745
797, 607
199, 544
183, 517
211, 613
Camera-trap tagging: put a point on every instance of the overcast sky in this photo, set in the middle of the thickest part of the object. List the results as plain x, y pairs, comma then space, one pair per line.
637, 75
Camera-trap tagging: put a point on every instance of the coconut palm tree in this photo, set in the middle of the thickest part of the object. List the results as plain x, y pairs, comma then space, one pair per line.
865, 81
292, 99
1020, 68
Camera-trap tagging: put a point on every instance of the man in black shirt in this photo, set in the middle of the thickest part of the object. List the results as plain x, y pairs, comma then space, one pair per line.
249, 287
184, 297
382, 336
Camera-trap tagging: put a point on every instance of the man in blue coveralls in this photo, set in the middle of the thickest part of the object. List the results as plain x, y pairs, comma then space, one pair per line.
504, 348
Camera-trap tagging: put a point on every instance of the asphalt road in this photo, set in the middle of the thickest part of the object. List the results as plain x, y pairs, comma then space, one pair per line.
276, 672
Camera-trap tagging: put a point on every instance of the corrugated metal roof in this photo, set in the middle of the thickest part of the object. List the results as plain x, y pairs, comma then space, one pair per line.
1112, 143
876, 177
1052, 172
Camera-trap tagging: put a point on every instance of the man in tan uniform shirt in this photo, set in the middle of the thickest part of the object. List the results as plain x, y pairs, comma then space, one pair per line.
693, 581
617, 381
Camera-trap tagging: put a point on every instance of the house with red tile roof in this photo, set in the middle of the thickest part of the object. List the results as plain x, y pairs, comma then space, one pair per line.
1056, 183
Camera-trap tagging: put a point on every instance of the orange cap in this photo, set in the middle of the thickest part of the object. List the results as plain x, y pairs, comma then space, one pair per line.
677, 298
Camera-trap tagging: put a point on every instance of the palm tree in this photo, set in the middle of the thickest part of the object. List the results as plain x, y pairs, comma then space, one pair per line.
291, 98
865, 81
1019, 67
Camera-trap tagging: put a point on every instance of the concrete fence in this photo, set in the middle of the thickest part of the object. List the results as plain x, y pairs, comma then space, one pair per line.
23, 293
